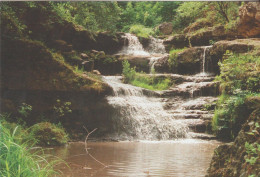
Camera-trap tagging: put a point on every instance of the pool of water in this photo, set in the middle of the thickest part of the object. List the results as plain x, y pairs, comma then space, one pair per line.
178, 158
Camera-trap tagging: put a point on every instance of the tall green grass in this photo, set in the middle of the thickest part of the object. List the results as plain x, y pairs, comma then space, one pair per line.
19, 157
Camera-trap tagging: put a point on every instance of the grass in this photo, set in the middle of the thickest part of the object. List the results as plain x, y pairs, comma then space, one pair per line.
143, 80
19, 158
151, 82
141, 31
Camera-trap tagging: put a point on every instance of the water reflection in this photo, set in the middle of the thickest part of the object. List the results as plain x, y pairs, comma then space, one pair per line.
145, 158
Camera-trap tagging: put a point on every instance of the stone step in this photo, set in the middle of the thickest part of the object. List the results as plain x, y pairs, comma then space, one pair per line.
186, 116
203, 136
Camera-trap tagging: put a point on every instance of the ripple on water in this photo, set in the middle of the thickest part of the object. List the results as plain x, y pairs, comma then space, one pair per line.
184, 157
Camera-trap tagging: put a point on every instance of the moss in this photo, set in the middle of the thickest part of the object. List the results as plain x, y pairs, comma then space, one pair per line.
48, 134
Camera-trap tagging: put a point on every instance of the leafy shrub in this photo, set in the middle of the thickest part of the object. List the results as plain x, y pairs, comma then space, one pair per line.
240, 72
128, 72
18, 157
239, 80
141, 31
49, 134
230, 114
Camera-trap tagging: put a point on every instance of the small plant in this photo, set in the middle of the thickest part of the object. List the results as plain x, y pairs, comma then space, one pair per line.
128, 72
62, 108
79, 70
25, 109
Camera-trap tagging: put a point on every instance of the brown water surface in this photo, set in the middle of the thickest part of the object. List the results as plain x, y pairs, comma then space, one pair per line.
179, 158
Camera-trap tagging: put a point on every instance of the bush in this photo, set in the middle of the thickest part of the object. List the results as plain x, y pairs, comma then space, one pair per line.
230, 114
49, 134
128, 72
240, 72
141, 31
18, 157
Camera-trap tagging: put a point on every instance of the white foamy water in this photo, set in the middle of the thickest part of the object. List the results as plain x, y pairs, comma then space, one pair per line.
156, 46
204, 64
140, 116
134, 47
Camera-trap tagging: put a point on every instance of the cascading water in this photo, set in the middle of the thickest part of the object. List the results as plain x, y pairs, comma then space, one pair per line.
142, 117
204, 63
156, 46
134, 47
154, 51
147, 117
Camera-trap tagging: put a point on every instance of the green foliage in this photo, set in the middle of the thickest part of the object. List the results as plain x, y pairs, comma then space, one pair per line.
141, 31
48, 134
240, 72
128, 72
239, 80
230, 114
20, 159
25, 109
79, 70
143, 80
151, 82
62, 108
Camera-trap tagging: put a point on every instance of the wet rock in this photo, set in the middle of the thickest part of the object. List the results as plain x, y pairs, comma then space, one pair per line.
189, 61
161, 65
176, 41
140, 62
165, 28
249, 23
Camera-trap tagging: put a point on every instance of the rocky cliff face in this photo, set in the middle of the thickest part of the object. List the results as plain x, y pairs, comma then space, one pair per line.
35, 68
240, 158
249, 24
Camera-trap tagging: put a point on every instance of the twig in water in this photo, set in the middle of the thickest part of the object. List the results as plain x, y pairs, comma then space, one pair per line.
86, 147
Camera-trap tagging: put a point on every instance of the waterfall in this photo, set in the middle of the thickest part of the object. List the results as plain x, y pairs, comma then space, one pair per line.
204, 65
154, 51
141, 117
156, 46
134, 47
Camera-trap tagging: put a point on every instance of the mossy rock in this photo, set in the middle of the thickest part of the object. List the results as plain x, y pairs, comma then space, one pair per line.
48, 134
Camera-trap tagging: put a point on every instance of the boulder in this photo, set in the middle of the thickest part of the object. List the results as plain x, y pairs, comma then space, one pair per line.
161, 65
249, 23
165, 28
188, 61
196, 26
